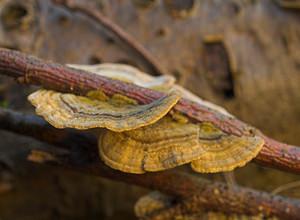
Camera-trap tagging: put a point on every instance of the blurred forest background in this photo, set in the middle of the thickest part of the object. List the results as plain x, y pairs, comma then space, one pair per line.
241, 54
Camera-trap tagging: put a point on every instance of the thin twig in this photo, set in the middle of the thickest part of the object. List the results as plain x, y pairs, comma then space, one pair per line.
286, 187
31, 70
197, 193
96, 15
31, 125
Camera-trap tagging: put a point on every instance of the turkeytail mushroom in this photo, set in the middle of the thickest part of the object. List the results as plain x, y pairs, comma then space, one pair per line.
152, 202
151, 137
160, 146
224, 152
119, 113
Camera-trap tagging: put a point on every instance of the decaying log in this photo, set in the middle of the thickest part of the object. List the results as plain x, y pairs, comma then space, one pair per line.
30, 70
96, 15
198, 194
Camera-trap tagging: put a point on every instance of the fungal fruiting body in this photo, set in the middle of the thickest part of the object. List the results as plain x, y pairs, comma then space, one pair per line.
224, 152
152, 203
128, 74
64, 110
133, 75
152, 137
162, 145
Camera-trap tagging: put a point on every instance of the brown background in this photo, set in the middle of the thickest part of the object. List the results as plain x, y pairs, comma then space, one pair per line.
241, 54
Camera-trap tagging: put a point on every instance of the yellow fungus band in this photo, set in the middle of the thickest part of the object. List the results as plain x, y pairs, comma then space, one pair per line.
64, 110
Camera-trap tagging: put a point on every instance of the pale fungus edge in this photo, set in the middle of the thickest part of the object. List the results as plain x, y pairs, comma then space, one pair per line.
118, 166
170, 153
127, 73
49, 108
242, 162
132, 74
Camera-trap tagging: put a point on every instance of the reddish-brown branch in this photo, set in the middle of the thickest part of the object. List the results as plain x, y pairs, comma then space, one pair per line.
31, 70
197, 193
285, 155
96, 15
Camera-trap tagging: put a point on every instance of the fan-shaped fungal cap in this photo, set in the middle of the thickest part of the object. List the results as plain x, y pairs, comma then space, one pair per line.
224, 152
64, 110
151, 203
163, 145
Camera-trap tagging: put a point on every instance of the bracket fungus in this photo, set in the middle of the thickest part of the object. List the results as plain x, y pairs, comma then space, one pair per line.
133, 75
152, 137
64, 110
152, 203
224, 152
162, 145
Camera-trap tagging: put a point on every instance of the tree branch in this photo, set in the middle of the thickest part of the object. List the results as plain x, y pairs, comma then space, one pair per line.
31, 70
197, 193
96, 15
38, 128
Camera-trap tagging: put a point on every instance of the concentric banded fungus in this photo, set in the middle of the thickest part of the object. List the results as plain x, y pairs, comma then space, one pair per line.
160, 146
63, 110
131, 74
224, 152
144, 138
